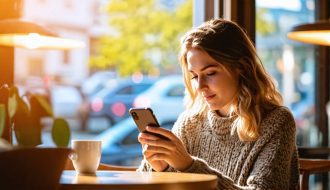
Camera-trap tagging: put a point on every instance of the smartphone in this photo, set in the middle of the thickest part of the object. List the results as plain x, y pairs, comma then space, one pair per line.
144, 117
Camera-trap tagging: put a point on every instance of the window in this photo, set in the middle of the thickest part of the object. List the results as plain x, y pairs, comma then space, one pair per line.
133, 89
292, 64
125, 90
176, 91
131, 138
35, 66
117, 44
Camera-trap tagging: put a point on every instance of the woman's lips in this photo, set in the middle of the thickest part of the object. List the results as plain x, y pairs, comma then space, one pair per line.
208, 98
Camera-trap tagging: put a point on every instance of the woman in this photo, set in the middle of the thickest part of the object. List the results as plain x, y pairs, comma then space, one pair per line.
235, 125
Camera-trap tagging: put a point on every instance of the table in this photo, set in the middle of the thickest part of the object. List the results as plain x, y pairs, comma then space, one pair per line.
132, 180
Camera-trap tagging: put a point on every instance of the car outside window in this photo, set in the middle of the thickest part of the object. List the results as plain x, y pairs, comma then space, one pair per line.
131, 138
125, 90
137, 89
176, 91
133, 89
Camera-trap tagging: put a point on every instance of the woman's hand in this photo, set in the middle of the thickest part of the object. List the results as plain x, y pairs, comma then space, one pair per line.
160, 152
157, 165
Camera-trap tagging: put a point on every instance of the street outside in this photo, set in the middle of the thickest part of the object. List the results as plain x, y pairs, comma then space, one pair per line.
76, 133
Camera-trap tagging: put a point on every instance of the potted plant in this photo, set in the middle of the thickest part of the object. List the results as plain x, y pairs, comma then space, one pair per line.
27, 166
22, 115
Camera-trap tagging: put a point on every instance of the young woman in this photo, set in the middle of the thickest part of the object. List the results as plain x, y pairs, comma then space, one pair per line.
235, 125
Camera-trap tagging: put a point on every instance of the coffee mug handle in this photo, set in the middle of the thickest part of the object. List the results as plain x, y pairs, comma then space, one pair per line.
73, 156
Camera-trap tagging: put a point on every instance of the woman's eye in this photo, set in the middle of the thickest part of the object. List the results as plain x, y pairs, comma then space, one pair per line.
193, 77
210, 73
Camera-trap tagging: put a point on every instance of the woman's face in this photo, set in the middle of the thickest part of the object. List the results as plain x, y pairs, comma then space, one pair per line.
217, 86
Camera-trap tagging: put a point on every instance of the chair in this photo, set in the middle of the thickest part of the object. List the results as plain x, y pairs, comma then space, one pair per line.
69, 166
32, 168
310, 162
311, 166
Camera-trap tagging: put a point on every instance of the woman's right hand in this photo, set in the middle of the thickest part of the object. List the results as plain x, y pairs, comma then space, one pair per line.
157, 165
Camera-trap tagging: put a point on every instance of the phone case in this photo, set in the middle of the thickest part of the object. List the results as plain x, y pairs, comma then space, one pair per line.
143, 117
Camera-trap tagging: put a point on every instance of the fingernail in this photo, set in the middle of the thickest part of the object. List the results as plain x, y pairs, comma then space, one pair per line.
149, 128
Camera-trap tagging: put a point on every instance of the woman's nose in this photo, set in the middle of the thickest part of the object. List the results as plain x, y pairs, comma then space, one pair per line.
201, 84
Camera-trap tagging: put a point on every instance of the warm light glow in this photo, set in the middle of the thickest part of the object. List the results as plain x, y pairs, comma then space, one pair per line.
119, 109
142, 101
97, 104
318, 37
137, 77
36, 41
26, 34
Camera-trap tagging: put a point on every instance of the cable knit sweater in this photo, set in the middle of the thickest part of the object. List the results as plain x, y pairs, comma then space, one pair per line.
270, 162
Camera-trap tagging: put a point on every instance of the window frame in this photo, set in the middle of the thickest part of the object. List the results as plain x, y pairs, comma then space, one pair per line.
243, 12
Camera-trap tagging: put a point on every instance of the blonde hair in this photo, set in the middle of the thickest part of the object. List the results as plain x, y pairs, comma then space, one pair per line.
228, 44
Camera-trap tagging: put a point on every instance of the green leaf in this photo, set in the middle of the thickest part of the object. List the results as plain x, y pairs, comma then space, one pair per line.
61, 132
40, 106
27, 132
2, 118
12, 101
22, 112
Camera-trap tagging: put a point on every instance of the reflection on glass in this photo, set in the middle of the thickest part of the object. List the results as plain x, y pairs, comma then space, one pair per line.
290, 63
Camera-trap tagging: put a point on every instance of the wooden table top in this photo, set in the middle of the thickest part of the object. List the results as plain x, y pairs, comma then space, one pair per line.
132, 180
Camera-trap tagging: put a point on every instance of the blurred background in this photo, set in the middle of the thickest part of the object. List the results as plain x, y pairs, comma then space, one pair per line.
130, 60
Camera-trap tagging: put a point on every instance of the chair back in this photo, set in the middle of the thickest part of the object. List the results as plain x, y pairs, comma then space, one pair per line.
312, 161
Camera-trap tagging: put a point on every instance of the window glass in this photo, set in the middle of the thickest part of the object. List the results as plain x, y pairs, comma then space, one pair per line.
176, 91
131, 138
133, 89
125, 90
129, 45
140, 88
291, 63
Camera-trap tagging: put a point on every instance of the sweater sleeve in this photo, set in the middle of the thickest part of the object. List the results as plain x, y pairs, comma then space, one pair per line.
272, 167
276, 166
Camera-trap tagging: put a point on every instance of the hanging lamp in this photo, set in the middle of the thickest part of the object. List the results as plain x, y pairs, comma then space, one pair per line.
25, 34
317, 33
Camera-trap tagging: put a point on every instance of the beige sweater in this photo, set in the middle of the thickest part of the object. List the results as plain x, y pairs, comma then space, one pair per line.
271, 162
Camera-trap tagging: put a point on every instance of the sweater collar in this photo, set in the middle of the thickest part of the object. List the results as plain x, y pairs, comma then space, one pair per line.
220, 125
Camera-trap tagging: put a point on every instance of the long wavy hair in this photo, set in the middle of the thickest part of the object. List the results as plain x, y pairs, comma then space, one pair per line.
228, 44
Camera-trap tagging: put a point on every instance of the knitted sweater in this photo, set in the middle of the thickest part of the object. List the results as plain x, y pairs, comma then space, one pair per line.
270, 162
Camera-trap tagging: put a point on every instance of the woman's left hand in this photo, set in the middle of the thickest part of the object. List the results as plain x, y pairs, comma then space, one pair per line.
170, 150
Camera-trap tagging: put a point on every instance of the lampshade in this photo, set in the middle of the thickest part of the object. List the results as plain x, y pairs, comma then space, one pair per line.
315, 33
25, 34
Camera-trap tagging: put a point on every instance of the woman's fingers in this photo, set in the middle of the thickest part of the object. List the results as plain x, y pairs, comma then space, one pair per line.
147, 149
158, 156
148, 136
162, 132
160, 151
159, 143
152, 153
143, 137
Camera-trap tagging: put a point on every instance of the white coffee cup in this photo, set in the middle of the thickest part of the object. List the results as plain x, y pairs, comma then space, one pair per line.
86, 155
